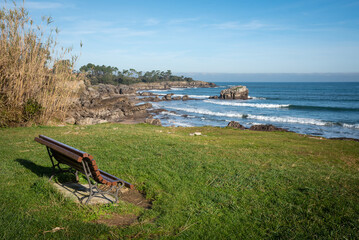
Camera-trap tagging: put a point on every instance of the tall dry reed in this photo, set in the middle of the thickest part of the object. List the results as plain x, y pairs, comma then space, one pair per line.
37, 84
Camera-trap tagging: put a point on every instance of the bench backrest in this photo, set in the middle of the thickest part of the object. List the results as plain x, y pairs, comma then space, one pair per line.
77, 160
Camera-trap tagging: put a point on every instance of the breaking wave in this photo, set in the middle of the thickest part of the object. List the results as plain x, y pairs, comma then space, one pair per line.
288, 106
257, 105
285, 119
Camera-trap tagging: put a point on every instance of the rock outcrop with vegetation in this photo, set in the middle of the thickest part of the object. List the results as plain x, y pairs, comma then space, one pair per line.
237, 92
105, 103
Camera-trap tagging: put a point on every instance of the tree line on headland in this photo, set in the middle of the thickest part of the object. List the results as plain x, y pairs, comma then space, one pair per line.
111, 75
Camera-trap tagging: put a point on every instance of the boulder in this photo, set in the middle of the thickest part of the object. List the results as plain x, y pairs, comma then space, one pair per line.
267, 128
237, 92
235, 124
185, 97
151, 99
167, 97
85, 121
70, 120
213, 97
153, 121
176, 98
146, 94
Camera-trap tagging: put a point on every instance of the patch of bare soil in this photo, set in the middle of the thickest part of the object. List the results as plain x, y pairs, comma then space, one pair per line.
136, 198
118, 220
130, 196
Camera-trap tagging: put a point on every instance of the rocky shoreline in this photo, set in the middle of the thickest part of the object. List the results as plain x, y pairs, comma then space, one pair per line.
108, 103
125, 104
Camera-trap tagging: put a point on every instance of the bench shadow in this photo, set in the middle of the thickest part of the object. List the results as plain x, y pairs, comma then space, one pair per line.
37, 169
69, 184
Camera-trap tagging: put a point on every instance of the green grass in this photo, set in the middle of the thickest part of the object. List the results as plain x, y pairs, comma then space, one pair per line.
225, 184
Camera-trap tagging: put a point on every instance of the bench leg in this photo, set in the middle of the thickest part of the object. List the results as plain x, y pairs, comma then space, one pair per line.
118, 187
77, 176
113, 191
53, 164
98, 191
91, 194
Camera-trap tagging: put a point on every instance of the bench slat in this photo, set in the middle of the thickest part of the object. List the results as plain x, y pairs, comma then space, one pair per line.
67, 147
64, 160
127, 184
59, 149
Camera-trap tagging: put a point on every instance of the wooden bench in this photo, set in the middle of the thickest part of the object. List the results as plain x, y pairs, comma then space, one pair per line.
79, 161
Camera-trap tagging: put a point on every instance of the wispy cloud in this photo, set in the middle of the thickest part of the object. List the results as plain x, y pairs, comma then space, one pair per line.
152, 22
43, 5
235, 25
105, 28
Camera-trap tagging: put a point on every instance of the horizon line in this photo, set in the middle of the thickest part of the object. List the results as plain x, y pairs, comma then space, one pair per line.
269, 73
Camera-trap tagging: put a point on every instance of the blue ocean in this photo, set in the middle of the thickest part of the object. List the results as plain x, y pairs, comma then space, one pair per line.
329, 109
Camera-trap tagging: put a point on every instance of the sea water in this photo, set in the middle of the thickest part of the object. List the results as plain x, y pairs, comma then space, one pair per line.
322, 109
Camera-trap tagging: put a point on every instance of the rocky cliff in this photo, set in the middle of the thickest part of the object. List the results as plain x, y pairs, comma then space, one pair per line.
108, 103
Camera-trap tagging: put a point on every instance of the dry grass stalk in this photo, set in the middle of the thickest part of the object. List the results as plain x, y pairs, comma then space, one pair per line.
36, 83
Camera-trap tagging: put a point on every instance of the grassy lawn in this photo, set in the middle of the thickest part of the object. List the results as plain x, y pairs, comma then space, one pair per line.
225, 184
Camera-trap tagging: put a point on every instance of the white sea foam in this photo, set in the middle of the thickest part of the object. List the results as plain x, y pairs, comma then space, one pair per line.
171, 114
257, 98
192, 96
154, 90
155, 105
181, 124
177, 89
199, 96
351, 125
240, 104
284, 119
207, 112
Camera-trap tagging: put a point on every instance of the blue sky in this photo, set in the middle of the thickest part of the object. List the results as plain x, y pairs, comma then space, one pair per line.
277, 36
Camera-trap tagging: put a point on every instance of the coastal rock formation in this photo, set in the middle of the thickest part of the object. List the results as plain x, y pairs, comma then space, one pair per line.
147, 94
108, 103
108, 89
167, 97
176, 98
153, 121
168, 85
267, 128
237, 92
104, 103
151, 99
185, 98
235, 124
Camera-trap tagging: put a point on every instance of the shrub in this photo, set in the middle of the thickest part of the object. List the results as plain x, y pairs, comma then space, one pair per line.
36, 83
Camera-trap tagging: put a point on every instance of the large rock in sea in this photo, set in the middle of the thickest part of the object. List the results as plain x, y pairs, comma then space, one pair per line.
237, 92
235, 124
267, 128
